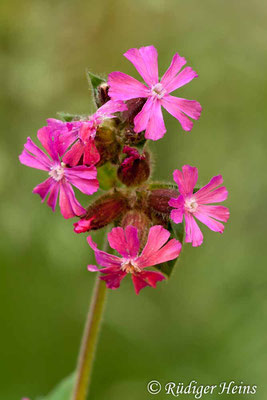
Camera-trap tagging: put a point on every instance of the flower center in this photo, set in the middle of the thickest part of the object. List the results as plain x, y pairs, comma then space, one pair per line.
158, 91
129, 266
57, 172
191, 205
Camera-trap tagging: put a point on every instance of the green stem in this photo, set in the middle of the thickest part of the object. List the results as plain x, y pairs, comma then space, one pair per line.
89, 341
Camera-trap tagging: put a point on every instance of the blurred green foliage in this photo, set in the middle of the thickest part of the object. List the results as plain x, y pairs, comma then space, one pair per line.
208, 322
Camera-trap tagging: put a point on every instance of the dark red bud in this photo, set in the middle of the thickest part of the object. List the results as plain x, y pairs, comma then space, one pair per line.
158, 200
103, 211
135, 169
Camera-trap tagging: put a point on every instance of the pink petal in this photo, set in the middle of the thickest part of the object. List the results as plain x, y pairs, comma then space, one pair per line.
69, 206
84, 178
113, 280
192, 232
170, 251
73, 156
117, 241
43, 188
189, 107
146, 278
181, 79
83, 225
133, 244
186, 180
218, 212
45, 135
208, 193
142, 118
30, 161
170, 105
177, 63
138, 283
210, 222
177, 215
152, 277
34, 157
92, 268
145, 61
157, 237
65, 140
91, 155
111, 107
150, 119
52, 199
124, 87
125, 242
155, 128
104, 259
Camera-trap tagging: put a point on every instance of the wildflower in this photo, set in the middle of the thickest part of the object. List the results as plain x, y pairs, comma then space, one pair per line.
60, 177
124, 87
82, 136
126, 242
190, 204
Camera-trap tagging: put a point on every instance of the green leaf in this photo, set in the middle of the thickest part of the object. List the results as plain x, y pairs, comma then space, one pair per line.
69, 117
62, 391
177, 232
94, 81
107, 176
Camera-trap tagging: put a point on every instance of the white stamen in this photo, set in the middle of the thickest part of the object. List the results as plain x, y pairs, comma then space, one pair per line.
129, 266
191, 205
57, 172
158, 91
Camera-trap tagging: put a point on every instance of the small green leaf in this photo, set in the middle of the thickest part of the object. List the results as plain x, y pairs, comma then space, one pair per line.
177, 232
69, 117
94, 81
107, 176
62, 391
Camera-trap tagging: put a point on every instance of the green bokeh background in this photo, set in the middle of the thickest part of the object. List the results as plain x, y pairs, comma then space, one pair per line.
208, 322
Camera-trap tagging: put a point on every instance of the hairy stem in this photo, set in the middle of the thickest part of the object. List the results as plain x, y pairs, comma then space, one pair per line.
89, 341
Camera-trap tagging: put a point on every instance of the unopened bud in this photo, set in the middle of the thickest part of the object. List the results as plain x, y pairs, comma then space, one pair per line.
139, 220
135, 169
158, 200
103, 211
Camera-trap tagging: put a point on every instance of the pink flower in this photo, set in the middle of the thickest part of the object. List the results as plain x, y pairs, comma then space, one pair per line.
60, 177
150, 119
83, 134
126, 242
190, 204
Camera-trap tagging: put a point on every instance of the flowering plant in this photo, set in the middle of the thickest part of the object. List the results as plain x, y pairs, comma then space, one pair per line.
109, 151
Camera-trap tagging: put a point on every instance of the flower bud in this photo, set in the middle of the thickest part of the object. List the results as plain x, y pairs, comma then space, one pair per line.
139, 220
135, 169
103, 211
106, 143
158, 200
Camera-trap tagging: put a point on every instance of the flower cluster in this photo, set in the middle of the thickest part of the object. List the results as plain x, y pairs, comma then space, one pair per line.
109, 149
